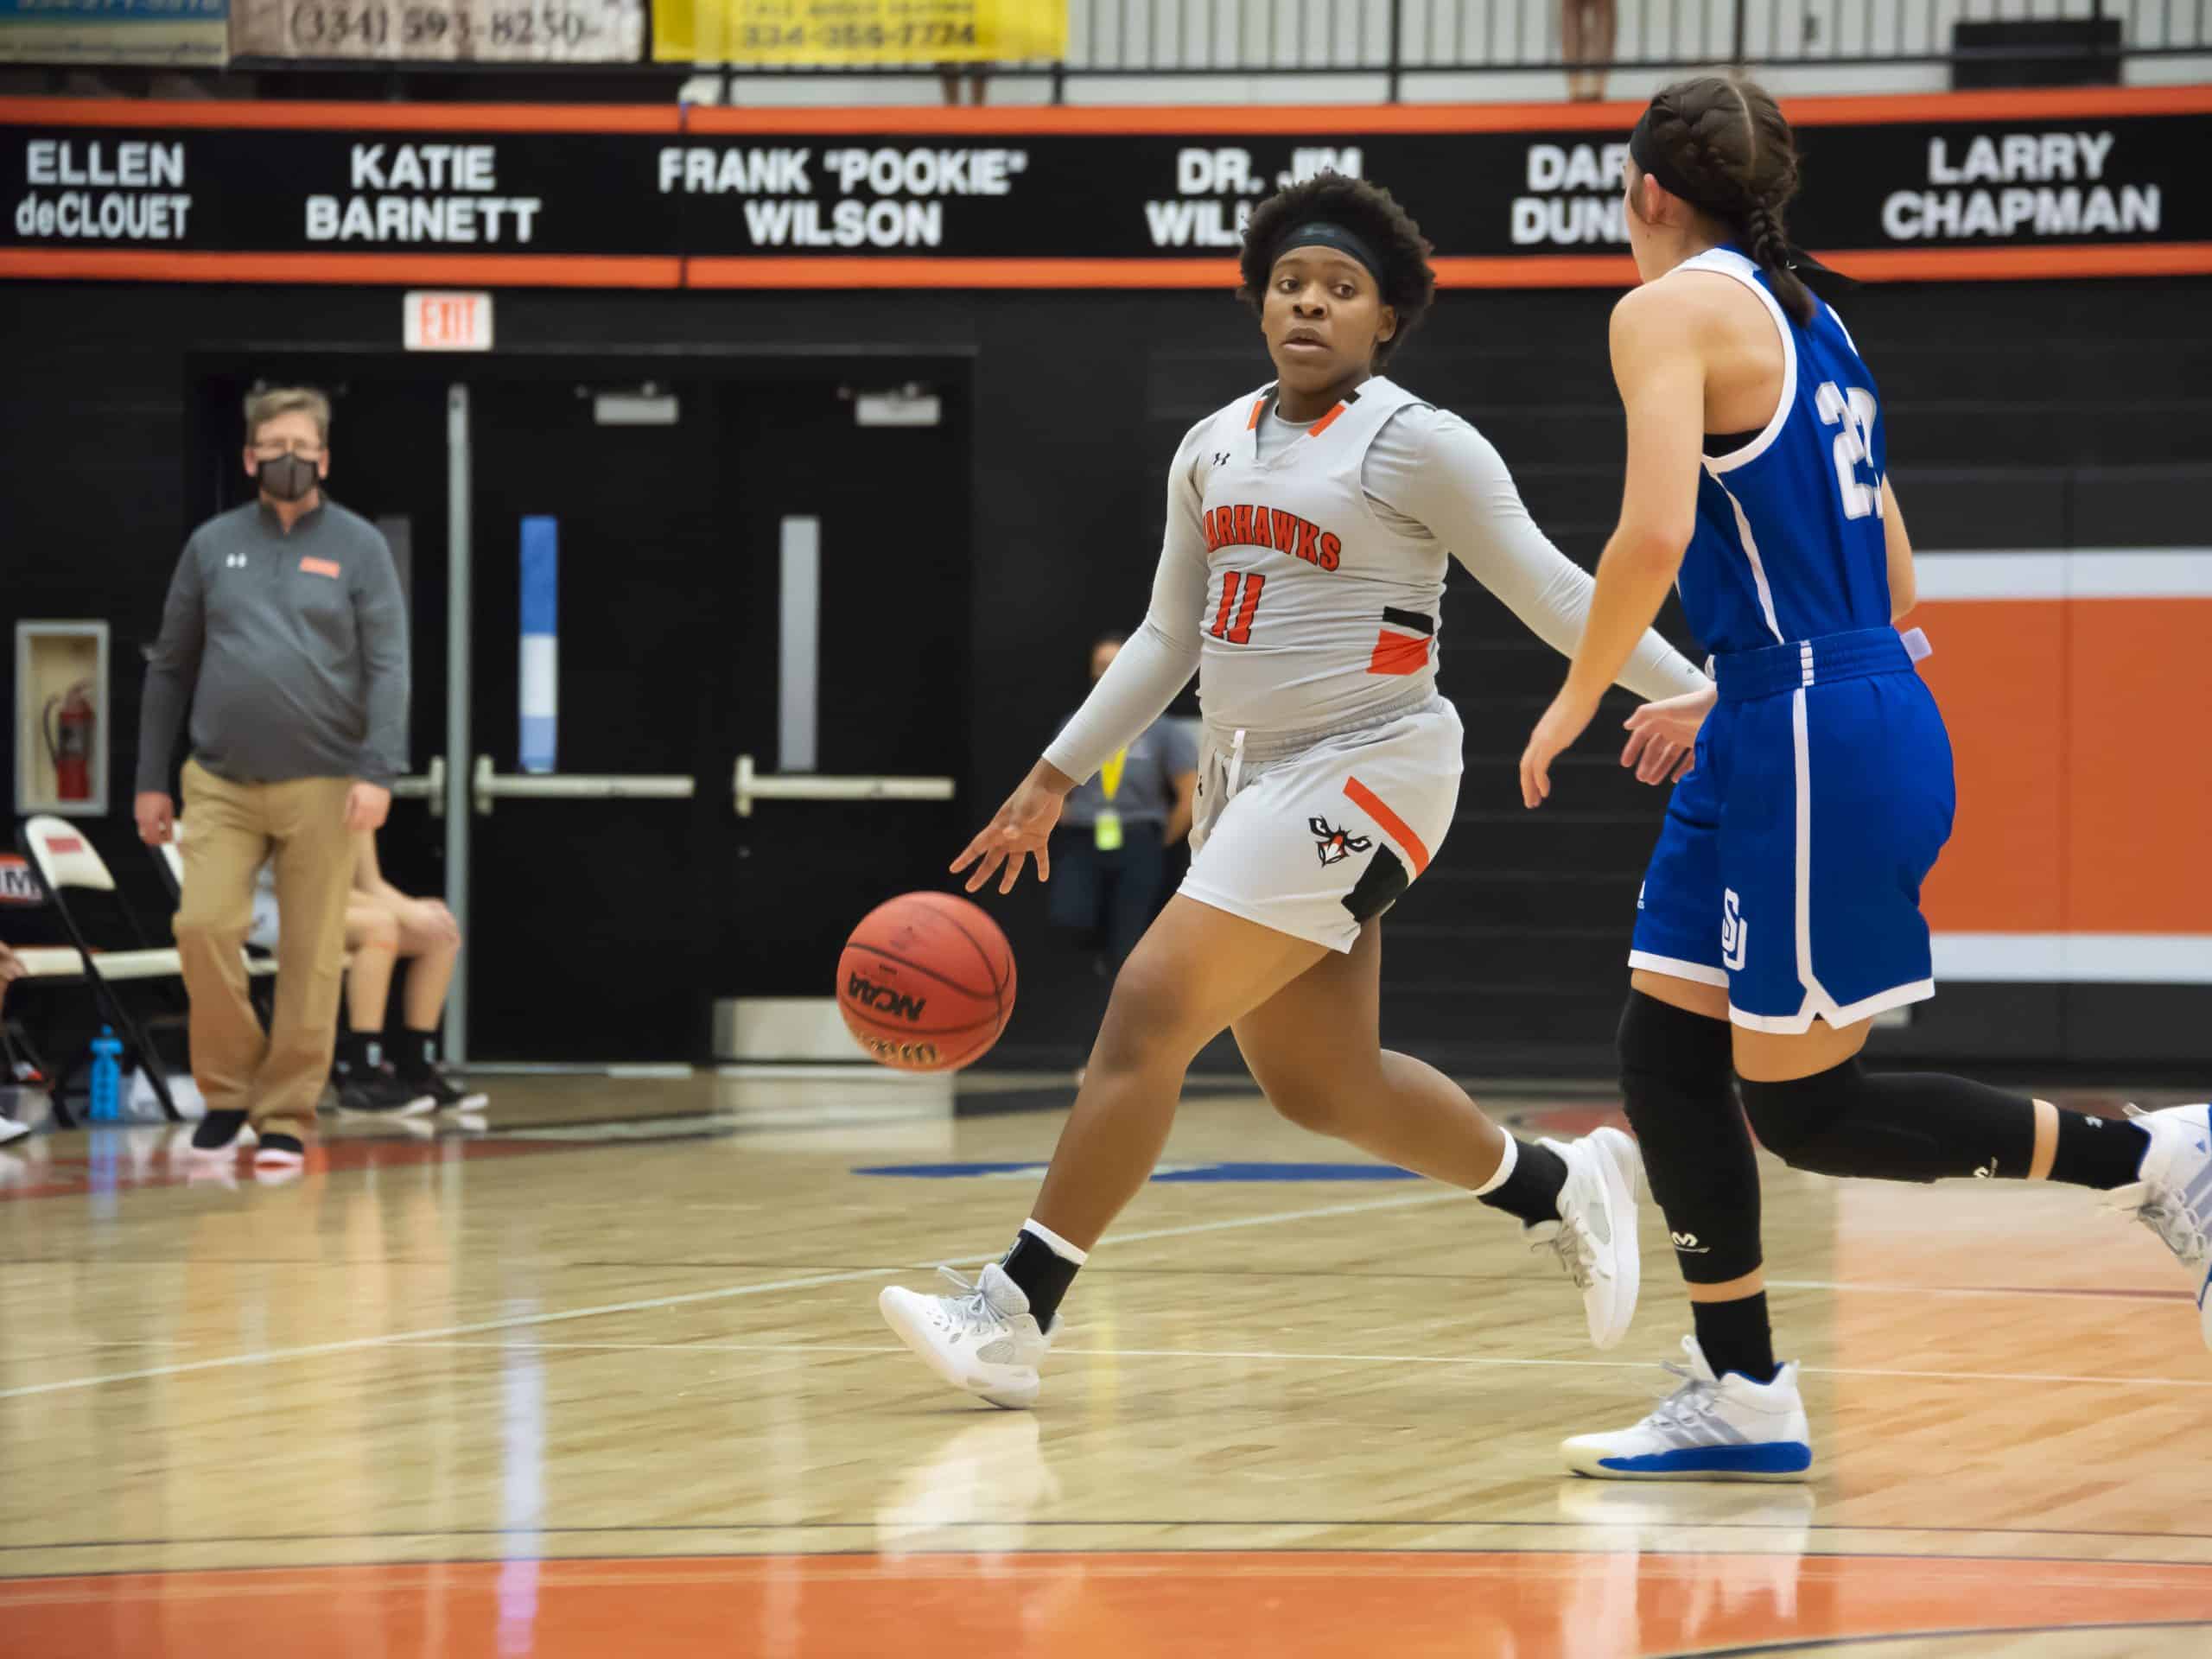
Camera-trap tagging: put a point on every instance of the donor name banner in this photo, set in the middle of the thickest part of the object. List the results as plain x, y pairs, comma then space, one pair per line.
2022, 185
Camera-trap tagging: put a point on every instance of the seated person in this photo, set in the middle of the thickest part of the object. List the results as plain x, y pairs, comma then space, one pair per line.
11, 967
383, 925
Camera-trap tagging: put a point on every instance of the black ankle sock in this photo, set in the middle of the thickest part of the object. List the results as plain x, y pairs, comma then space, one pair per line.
357, 1053
1736, 1337
1043, 1273
416, 1052
2099, 1151
1531, 1192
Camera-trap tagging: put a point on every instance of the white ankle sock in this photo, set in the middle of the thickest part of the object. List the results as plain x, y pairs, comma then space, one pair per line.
1054, 1242
1503, 1173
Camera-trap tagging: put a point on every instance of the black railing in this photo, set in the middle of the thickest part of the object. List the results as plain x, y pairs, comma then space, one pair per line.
1390, 50
1424, 41
1403, 37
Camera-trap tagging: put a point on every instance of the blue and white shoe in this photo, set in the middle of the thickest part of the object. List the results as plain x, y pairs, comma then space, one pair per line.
2174, 1196
1711, 1428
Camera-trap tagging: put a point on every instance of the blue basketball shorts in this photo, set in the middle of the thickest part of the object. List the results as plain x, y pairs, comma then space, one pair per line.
1790, 867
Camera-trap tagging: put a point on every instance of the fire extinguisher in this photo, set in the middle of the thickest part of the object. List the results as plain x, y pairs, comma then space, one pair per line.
70, 721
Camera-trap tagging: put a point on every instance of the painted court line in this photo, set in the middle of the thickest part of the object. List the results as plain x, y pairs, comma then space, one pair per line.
1309, 1358
728, 1292
2065, 1293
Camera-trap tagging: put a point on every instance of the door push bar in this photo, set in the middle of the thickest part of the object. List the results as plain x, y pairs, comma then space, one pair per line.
750, 785
487, 786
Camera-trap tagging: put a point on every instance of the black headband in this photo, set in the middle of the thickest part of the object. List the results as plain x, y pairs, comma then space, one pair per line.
1319, 233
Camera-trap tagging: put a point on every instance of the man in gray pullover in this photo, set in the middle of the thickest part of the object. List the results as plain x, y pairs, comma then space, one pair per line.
285, 630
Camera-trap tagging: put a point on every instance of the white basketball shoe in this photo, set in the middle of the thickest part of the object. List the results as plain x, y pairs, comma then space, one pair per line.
982, 1340
1711, 1428
1595, 1235
2174, 1196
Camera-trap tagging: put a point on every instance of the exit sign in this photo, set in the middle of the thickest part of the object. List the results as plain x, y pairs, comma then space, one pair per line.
447, 322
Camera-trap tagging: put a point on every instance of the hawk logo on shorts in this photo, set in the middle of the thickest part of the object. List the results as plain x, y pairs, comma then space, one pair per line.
1335, 845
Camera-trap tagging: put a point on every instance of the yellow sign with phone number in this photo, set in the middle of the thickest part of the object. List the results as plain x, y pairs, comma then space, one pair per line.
923, 32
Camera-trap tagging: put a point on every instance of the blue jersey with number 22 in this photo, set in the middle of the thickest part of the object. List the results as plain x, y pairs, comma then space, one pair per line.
1789, 541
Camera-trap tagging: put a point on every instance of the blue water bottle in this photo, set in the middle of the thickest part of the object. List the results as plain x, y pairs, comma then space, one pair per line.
107, 1078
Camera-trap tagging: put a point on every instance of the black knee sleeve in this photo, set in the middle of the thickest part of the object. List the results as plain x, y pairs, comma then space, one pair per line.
1677, 1084
1894, 1126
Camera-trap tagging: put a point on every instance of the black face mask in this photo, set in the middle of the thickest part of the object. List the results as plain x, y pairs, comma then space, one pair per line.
287, 478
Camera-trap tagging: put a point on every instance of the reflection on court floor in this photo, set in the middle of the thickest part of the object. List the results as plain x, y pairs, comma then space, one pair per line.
604, 1375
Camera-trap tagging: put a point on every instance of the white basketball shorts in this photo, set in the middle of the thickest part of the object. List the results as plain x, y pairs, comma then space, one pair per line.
1313, 840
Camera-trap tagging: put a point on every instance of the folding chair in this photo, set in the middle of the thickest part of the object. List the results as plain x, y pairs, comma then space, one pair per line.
67, 863
168, 859
57, 967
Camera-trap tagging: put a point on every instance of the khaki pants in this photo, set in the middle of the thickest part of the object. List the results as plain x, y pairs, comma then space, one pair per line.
230, 830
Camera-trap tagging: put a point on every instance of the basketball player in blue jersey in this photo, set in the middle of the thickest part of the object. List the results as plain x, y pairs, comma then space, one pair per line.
1310, 523
1781, 910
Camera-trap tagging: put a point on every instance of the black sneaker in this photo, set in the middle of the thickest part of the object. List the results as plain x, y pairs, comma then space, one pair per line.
448, 1096
279, 1157
381, 1094
218, 1131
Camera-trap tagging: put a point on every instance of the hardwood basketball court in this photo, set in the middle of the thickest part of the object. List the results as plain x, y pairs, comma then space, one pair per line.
606, 1377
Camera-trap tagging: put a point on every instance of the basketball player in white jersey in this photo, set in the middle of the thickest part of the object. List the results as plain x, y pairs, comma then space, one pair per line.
1309, 523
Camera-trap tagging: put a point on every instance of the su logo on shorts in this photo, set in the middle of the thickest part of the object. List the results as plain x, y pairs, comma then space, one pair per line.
1335, 845
1735, 934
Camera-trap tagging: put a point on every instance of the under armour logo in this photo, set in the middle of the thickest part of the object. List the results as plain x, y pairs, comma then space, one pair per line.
1735, 934
1221, 457
234, 561
1688, 1244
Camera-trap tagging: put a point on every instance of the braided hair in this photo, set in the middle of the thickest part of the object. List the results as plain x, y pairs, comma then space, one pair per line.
1726, 143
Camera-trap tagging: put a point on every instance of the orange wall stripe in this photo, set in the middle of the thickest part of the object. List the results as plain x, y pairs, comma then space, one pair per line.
1391, 824
1999, 673
1537, 270
780, 271
2081, 806
1291, 120
396, 117
2139, 785
860, 272
2024, 264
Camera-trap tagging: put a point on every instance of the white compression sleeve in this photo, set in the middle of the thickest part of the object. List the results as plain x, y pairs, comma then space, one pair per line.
1431, 468
1160, 656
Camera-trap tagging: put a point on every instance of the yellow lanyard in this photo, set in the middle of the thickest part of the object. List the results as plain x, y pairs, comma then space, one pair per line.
1106, 827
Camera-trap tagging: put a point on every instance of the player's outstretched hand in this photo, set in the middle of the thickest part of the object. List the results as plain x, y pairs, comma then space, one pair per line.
1564, 722
1663, 735
1022, 829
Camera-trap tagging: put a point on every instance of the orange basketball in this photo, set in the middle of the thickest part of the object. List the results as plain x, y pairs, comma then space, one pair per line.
926, 982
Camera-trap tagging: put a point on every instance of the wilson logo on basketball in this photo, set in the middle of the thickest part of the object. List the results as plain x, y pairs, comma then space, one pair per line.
923, 1055
885, 999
